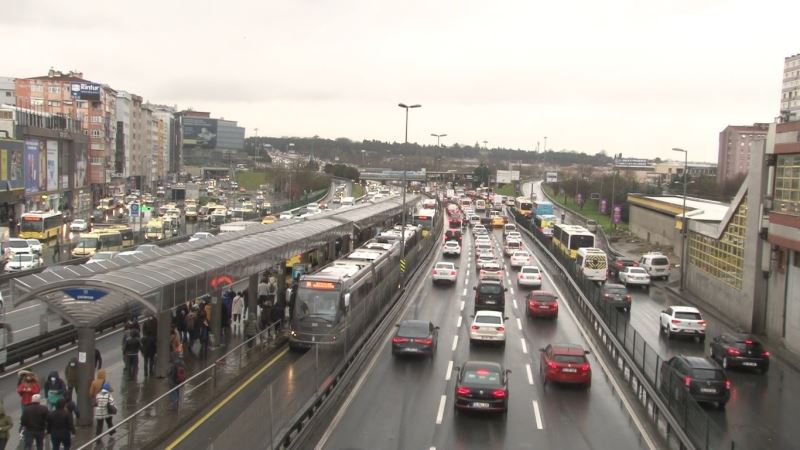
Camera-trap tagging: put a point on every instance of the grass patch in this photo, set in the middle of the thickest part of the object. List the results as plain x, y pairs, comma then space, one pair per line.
507, 190
590, 211
358, 190
251, 180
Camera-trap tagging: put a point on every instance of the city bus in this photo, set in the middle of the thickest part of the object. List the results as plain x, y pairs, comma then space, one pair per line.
524, 206
98, 241
545, 223
569, 238
593, 263
542, 208
124, 231
40, 225
424, 217
155, 230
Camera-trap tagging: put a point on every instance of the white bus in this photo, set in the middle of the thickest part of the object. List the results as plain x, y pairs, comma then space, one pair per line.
593, 263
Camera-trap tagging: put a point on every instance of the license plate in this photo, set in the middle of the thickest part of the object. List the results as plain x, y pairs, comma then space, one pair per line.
569, 370
708, 390
480, 405
411, 349
490, 302
749, 364
544, 307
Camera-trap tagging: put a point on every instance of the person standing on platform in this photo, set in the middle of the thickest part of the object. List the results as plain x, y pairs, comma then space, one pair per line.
237, 309
6, 424
71, 376
60, 426
149, 354
34, 423
104, 409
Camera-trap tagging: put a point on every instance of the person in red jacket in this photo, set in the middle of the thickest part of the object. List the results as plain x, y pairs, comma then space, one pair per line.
27, 387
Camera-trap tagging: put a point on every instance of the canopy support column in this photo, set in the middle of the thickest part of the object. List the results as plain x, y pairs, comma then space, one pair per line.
163, 336
216, 319
252, 295
86, 363
280, 291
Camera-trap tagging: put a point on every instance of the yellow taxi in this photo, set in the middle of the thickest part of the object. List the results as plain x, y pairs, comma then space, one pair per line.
498, 221
268, 220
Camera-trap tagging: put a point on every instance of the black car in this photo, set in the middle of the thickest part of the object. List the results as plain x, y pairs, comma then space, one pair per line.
701, 377
452, 235
617, 295
481, 386
415, 337
491, 295
739, 350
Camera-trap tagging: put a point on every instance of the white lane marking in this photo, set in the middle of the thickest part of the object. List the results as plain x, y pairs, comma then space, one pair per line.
611, 379
530, 374
26, 328
524, 346
515, 303
440, 413
449, 371
466, 281
432, 448
464, 292
468, 265
23, 309
462, 305
455, 342
511, 289
536, 415
507, 274
458, 324
519, 324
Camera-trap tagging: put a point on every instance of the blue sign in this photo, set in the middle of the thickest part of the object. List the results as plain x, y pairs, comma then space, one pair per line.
134, 209
85, 91
85, 295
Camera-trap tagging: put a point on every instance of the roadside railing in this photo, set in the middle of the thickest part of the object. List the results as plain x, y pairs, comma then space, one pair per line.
155, 421
679, 418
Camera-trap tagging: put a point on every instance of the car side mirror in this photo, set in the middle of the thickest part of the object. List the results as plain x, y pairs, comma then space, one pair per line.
586, 352
347, 301
436, 327
474, 288
505, 289
505, 318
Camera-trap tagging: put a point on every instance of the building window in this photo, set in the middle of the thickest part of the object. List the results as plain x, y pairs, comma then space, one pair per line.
97, 119
787, 184
54, 89
97, 133
54, 103
722, 258
36, 88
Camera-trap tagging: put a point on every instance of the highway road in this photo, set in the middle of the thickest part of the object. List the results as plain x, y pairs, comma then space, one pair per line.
760, 411
408, 403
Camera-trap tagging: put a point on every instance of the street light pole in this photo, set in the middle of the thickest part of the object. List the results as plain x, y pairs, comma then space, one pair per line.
255, 151
437, 156
684, 222
614, 186
438, 136
403, 219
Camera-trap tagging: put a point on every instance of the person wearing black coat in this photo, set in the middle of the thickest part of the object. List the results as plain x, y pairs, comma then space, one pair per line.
60, 426
149, 354
34, 423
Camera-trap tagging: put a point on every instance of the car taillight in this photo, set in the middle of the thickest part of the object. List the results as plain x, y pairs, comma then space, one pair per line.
452, 272
552, 365
499, 393
734, 352
606, 296
687, 381
520, 276
628, 298
475, 327
399, 340
584, 367
727, 384
500, 328
701, 322
461, 390
482, 272
676, 321
434, 272
765, 354
748, 342
426, 341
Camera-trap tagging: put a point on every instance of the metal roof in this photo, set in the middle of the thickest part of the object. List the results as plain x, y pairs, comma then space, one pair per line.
162, 278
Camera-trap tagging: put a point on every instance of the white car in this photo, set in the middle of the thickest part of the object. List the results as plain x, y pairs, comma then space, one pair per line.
519, 259
147, 247
513, 236
17, 246
484, 259
474, 220
23, 261
529, 276
451, 248
508, 228
79, 225
513, 247
479, 229
444, 272
482, 248
682, 320
201, 235
634, 275
656, 264
488, 326
102, 256
491, 271
35, 246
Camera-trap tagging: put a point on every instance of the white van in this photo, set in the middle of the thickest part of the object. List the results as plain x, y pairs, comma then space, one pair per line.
348, 201
656, 264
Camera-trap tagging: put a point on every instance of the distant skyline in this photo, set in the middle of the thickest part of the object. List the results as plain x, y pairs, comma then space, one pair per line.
625, 77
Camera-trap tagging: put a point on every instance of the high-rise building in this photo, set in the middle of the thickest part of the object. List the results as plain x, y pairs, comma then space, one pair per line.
736, 143
8, 91
94, 104
210, 142
790, 93
166, 139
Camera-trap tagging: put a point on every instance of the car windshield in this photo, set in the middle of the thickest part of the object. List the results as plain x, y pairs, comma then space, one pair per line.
688, 315
78, 221
316, 303
708, 374
615, 290
490, 289
488, 319
520, 255
18, 244
451, 244
753, 346
483, 377
491, 266
530, 270
445, 266
637, 271
543, 298
569, 359
413, 330
660, 261
91, 242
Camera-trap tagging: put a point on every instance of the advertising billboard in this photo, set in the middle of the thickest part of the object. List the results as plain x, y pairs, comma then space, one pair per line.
52, 165
199, 132
79, 152
551, 177
11, 166
507, 176
31, 155
85, 91
631, 162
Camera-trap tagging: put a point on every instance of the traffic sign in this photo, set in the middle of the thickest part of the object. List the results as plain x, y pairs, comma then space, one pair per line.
617, 214
134, 209
81, 294
146, 208
402, 265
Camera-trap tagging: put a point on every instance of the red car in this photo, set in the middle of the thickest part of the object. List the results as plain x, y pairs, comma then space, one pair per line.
542, 304
565, 363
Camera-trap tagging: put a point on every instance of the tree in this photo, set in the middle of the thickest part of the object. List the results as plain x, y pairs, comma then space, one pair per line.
481, 174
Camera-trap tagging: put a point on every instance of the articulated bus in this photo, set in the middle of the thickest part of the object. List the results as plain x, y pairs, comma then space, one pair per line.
524, 206
40, 225
424, 217
569, 238
98, 241
593, 263
124, 231
545, 223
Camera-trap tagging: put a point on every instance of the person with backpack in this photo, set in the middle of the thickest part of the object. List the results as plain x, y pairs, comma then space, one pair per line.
6, 424
104, 409
34, 423
131, 346
54, 390
176, 376
60, 426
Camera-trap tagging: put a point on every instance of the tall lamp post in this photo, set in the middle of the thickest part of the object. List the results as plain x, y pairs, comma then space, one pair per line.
438, 136
684, 222
437, 157
255, 151
403, 222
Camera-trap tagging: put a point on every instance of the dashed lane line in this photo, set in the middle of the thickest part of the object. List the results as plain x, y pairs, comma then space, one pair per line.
450, 370
440, 413
455, 342
519, 324
524, 346
530, 374
537, 416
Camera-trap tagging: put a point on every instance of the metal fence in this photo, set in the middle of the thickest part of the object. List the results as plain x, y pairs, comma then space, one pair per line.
638, 362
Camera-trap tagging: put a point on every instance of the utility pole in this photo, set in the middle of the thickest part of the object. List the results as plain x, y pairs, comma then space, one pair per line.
403, 219
255, 151
684, 223
614, 185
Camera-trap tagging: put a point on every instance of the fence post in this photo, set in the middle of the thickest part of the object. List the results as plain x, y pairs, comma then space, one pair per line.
131, 432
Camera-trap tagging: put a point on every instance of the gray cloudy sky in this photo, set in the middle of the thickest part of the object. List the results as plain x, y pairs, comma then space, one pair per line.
632, 76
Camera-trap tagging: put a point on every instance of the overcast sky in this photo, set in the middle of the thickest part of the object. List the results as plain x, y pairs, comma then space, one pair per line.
637, 77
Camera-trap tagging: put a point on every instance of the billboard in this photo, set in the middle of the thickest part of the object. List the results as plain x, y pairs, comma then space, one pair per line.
11, 163
79, 153
507, 176
52, 165
31, 155
85, 91
631, 162
551, 177
199, 132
